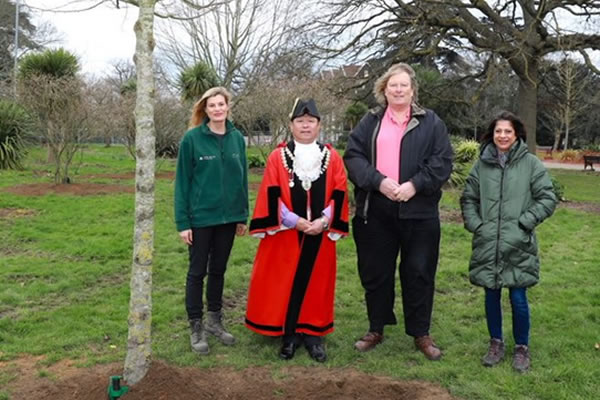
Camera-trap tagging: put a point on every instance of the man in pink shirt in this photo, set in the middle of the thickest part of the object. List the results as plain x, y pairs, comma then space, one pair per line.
398, 158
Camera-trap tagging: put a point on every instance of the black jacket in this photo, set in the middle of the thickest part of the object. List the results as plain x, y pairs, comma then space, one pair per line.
426, 160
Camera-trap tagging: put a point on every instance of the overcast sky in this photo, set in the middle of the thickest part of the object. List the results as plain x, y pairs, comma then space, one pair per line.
98, 37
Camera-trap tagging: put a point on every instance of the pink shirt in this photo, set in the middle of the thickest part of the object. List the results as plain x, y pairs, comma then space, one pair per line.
389, 142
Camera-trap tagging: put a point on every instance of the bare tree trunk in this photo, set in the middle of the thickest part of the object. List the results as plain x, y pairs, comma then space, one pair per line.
50, 158
527, 103
566, 146
556, 140
139, 347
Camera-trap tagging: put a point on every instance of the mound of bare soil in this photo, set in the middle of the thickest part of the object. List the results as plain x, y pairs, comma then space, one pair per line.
63, 381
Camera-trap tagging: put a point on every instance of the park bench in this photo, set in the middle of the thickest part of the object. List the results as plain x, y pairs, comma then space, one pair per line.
590, 160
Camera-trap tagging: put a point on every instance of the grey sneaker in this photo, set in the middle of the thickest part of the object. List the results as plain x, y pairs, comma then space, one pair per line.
521, 359
198, 337
214, 326
495, 353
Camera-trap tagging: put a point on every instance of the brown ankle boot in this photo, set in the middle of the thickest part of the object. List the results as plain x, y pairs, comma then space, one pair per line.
521, 359
368, 341
495, 353
427, 346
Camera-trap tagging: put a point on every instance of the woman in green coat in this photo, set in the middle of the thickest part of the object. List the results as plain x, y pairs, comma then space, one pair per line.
507, 194
211, 207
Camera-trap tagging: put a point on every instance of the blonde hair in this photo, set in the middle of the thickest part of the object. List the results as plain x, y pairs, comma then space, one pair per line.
199, 108
382, 81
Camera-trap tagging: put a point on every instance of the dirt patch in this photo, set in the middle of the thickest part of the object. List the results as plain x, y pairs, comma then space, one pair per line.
65, 381
593, 208
257, 171
11, 213
77, 189
450, 215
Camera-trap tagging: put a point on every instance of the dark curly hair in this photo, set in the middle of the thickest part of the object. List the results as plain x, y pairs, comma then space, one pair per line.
516, 122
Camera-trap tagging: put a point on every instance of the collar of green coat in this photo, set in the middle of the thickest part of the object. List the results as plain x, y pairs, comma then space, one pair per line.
489, 152
206, 130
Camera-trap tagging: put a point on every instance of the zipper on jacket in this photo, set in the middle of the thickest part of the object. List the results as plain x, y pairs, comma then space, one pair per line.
221, 147
499, 219
374, 163
409, 127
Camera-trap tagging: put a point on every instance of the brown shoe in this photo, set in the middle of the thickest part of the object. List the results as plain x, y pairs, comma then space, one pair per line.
426, 345
521, 359
369, 341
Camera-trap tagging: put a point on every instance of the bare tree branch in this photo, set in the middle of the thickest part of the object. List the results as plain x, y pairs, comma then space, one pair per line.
522, 32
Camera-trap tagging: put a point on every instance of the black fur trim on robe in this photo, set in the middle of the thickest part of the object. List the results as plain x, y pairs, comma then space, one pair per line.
336, 220
271, 220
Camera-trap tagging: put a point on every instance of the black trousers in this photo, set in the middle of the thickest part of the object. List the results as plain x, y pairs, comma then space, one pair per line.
208, 254
378, 243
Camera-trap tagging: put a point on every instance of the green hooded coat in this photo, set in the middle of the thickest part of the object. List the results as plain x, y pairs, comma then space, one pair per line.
501, 206
211, 183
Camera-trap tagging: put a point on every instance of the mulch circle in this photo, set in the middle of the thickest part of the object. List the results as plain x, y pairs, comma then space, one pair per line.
77, 189
83, 188
166, 382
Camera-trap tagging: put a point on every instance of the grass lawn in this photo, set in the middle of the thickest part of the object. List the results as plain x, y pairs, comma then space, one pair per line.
64, 291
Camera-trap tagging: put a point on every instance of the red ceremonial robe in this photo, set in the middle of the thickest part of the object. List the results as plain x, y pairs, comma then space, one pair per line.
293, 279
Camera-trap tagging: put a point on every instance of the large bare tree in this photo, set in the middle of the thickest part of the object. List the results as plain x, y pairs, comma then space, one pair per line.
270, 101
233, 37
566, 82
522, 32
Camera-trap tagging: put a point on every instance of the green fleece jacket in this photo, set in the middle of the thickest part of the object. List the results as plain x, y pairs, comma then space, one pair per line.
502, 206
211, 184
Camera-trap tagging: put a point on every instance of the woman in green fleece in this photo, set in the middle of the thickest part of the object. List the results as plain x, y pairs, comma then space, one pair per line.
508, 193
211, 207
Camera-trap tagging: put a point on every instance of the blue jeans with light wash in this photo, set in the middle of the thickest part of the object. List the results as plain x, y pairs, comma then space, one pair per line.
520, 314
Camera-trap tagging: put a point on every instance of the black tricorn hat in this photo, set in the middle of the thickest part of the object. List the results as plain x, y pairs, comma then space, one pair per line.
302, 107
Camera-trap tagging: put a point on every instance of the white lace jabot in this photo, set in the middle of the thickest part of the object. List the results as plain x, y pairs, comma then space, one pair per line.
307, 161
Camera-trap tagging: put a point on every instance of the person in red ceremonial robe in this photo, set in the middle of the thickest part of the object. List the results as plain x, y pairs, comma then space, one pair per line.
301, 211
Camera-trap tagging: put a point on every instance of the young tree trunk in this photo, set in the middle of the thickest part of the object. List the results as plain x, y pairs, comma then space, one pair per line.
567, 126
139, 348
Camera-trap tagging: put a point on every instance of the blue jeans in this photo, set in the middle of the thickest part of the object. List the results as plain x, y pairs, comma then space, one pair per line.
520, 314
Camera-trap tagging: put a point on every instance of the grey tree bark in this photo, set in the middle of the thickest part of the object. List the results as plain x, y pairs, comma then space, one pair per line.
139, 350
